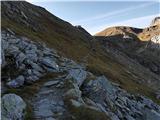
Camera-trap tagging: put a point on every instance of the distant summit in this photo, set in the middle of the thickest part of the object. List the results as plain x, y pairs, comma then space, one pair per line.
119, 30
143, 34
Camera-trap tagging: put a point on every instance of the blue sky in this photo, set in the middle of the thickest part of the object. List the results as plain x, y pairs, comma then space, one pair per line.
95, 16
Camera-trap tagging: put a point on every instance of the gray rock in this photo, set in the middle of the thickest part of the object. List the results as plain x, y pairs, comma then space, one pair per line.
33, 72
90, 102
147, 102
13, 50
33, 47
48, 62
101, 108
50, 118
128, 117
31, 79
19, 81
119, 114
13, 107
47, 52
22, 67
51, 83
74, 93
31, 55
44, 109
46, 92
115, 117
4, 43
29, 72
48, 103
10, 31
14, 41
36, 66
68, 64
151, 115
37, 73
24, 16
20, 58
76, 103
79, 75
23, 44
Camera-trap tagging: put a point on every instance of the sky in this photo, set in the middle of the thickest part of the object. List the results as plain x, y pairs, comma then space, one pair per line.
95, 16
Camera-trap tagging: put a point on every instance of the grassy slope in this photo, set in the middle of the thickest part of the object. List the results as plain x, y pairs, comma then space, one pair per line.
72, 43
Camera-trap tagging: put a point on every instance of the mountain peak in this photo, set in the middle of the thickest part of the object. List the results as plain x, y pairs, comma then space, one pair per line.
119, 30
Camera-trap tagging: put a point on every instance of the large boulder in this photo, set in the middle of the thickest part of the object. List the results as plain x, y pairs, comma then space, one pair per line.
13, 107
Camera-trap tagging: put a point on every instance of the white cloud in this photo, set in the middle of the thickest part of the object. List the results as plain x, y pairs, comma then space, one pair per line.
111, 14
140, 22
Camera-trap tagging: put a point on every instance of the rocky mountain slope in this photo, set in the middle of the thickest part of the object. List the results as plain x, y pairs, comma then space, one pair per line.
70, 92
52, 70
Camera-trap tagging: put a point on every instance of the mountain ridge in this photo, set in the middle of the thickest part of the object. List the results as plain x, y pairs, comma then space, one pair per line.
143, 34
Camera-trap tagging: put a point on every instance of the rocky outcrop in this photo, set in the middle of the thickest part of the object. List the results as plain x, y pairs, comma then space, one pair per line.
119, 104
61, 98
29, 60
13, 107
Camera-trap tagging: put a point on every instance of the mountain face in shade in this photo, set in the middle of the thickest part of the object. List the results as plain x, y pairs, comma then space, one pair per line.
52, 70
